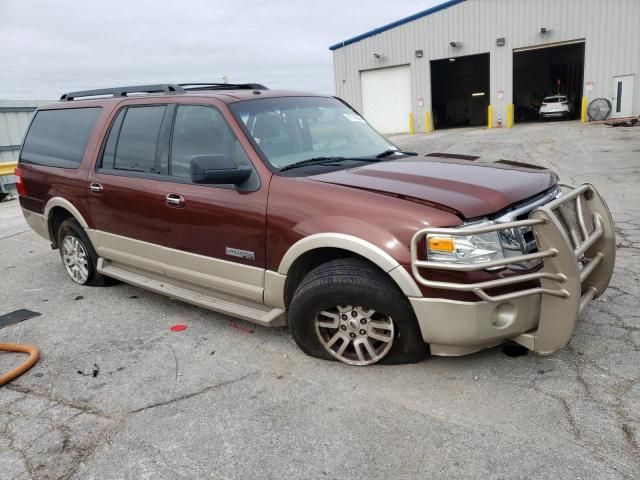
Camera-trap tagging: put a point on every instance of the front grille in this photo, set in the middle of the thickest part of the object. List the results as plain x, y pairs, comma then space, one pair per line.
567, 214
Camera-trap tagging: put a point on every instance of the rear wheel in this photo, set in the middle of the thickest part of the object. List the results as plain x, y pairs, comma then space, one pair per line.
78, 255
349, 311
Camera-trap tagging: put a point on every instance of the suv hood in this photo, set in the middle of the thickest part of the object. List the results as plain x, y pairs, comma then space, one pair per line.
472, 188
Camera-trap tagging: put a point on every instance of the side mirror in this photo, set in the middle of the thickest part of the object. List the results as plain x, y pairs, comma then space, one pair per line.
218, 169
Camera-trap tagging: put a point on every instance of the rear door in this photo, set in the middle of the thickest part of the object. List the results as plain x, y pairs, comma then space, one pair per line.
125, 195
622, 99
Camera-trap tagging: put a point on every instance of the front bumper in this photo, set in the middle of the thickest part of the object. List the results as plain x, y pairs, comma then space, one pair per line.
576, 242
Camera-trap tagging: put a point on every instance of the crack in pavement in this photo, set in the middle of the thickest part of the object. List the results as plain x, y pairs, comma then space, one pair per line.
195, 394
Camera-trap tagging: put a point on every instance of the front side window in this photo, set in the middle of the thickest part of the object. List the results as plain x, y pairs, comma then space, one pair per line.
200, 130
289, 130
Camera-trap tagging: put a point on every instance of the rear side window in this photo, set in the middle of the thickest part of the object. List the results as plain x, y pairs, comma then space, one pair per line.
135, 149
59, 138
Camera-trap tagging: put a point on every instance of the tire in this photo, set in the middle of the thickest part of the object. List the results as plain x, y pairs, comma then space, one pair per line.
77, 254
333, 297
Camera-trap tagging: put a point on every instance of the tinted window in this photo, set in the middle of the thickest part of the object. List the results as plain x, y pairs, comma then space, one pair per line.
138, 140
109, 153
58, 138
200, 130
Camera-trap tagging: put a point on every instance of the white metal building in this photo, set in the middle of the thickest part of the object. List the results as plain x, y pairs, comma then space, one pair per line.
490, 62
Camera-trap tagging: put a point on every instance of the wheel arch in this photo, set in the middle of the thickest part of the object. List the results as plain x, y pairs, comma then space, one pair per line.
315, 249
56, 211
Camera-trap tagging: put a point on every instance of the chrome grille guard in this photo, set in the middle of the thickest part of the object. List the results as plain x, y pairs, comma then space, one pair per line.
578, 255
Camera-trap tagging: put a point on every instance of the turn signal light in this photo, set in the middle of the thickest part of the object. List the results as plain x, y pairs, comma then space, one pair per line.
441, 244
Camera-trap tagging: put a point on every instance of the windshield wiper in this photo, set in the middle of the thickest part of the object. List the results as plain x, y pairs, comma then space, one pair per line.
390, 152
314, 161
334, 160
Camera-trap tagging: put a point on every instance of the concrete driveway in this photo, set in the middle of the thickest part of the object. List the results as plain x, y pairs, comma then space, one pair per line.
117, 395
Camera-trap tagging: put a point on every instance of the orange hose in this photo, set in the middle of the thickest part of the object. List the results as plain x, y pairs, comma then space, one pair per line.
34, 355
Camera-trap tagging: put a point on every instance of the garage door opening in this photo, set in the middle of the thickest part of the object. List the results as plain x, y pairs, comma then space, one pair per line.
545, 72
460, 91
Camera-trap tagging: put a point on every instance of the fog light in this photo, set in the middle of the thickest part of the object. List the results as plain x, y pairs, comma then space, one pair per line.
504, 315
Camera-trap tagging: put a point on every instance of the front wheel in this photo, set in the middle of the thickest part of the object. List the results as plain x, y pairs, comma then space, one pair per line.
347, 310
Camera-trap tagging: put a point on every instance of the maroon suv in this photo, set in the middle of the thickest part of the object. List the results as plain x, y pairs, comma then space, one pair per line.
288, 208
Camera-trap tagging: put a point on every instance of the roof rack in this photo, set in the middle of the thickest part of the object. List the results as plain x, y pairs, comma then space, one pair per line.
123, 91
160, 88
222, 86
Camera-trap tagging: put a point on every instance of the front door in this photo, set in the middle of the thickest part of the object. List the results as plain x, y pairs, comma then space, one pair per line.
217, 232
622, 99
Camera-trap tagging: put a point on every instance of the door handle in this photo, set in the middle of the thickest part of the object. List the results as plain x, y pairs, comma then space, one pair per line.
174, 200
95, 187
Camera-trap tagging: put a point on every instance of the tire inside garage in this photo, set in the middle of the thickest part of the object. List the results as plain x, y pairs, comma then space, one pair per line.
543, 72
460, 91
386, 98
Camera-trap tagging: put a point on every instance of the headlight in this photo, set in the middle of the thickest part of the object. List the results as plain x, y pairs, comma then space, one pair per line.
467, 249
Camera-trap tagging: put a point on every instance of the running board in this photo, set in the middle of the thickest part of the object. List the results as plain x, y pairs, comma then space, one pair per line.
221, 302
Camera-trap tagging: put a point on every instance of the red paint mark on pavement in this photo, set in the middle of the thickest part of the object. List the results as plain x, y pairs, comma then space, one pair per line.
241, 328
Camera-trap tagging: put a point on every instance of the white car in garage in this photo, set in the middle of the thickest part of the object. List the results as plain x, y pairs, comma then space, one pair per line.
557, 106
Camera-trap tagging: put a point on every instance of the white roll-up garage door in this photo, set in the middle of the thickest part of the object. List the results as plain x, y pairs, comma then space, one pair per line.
386, 98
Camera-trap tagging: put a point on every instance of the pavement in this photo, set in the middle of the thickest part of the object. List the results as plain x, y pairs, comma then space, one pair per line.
117, 395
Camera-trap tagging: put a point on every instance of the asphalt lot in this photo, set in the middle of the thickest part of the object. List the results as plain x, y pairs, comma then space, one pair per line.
218, 401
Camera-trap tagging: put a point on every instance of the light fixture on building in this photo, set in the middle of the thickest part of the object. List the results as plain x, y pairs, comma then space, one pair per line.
543, 30
419, 53
452, 60
377, 55
500, 42
477, 94
455, 44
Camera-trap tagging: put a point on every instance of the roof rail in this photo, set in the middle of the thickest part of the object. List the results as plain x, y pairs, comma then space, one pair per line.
123, 91
222, 86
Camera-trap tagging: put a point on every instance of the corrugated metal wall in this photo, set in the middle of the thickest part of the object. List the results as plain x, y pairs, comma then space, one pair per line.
610, 28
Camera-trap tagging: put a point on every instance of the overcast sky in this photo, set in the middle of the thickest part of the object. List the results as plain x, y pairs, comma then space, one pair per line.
48, 47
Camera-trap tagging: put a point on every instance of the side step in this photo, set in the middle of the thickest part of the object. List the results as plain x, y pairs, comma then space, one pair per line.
221, 302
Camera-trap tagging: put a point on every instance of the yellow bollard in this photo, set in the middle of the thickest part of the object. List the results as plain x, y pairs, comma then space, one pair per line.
583, 110
427, 124
411, 123
509, 113
489, 116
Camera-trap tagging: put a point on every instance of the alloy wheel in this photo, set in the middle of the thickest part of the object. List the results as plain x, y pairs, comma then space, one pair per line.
75, 259
355, 335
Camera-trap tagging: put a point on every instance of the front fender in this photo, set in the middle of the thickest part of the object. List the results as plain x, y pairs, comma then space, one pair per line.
358, 246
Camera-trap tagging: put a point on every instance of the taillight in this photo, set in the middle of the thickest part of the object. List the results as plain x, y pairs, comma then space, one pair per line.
19, 185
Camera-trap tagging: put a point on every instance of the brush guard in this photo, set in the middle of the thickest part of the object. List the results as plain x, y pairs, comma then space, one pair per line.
576, 242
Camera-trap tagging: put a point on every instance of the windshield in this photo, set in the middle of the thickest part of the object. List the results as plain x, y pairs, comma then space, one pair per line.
555, 99
289, 130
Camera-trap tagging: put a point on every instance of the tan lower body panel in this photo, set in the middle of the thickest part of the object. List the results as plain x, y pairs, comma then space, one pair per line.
220, 275
195, 294
37, 222
457, 328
